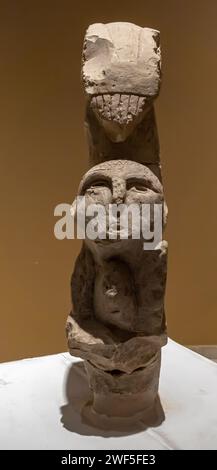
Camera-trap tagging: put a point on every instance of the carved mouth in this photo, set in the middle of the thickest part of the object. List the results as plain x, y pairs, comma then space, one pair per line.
109, 241
118, 107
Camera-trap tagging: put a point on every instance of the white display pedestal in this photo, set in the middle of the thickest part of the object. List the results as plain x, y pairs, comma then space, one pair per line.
39, 398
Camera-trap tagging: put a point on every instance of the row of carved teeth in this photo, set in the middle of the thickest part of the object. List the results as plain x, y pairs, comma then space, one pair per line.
119, 107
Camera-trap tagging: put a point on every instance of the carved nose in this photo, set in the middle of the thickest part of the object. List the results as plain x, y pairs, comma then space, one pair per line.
119, 190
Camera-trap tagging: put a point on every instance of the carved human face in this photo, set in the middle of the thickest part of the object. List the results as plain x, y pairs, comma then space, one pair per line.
121, 182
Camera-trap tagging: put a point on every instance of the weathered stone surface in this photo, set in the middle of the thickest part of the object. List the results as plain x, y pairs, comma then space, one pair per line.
121, 74
109, 348
124, 395
121, 58
117, 324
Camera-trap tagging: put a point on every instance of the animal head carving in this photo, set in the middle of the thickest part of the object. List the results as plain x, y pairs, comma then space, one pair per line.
121, 77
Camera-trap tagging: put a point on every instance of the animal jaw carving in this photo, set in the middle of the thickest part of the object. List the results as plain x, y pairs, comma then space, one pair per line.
117, 324
119, 114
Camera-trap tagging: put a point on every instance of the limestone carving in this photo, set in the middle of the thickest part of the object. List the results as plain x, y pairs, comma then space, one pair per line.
117, 324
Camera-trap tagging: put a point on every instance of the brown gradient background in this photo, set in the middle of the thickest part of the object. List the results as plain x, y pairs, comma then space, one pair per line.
43, 155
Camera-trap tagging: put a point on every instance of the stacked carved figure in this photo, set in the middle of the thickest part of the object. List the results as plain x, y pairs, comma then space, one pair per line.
117, 324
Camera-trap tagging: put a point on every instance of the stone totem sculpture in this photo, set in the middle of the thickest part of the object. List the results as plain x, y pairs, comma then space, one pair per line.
117, 324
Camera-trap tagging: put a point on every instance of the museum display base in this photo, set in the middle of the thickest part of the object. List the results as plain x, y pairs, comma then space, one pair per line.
41, 399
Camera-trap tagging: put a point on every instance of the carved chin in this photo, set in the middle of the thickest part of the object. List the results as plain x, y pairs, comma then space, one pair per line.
119, 113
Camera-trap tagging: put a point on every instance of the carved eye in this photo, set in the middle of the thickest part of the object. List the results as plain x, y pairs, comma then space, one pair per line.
97, 184
100, 183
139, 185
